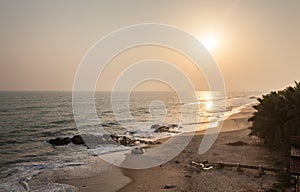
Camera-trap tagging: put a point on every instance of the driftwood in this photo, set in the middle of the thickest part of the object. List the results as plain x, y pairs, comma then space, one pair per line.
202, 165
240, 166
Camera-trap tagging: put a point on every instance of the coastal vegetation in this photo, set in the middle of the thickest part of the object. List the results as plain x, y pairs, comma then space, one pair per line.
277, 117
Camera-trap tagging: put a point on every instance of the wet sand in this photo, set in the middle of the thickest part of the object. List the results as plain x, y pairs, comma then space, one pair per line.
179, 175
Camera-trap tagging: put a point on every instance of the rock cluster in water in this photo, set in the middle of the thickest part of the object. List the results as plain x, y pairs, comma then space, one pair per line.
80, 140
93, 140
60, 141
169, 128
126, 141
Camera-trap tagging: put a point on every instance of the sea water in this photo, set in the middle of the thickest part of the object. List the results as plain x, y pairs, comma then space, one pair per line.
29, 119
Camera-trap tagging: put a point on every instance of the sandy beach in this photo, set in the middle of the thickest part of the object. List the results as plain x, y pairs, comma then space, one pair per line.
180, 175
129, 96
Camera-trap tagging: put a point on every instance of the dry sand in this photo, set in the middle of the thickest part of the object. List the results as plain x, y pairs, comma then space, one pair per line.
109, 181
180, 175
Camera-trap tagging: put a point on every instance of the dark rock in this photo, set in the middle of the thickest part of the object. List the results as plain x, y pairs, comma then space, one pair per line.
108, 139
114, 137
169, 186
237, 143
155, 126
78, 140
60, 141
159, 128
123, 140
91, 140
173, 125
162, 129
149, 142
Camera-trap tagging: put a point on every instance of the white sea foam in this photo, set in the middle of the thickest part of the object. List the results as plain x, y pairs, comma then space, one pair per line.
34, 164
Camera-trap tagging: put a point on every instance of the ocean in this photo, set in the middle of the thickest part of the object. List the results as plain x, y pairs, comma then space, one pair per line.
29, 119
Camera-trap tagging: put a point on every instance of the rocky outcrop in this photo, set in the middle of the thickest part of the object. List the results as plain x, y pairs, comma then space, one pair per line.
126, 141
77, 140
80, 140
60, 141
93, 140
123, 140
169, 128
237, 143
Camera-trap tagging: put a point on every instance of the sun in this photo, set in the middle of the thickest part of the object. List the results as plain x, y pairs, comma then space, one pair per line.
209, 41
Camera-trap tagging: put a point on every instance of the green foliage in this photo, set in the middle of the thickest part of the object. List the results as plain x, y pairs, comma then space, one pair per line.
277, 117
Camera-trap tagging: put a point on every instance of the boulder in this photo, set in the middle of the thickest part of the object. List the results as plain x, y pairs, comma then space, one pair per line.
96, 140
123, 140
162, 128
237, 143
77, 140
155, 126
60, 141
173, 125
159, 128
168, 186
91, 140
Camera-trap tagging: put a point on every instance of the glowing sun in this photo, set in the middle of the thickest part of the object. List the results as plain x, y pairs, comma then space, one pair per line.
210, 42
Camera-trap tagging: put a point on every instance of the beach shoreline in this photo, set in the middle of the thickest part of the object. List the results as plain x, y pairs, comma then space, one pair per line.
179, 175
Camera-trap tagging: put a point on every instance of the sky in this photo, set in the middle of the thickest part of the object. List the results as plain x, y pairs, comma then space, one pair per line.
256, 42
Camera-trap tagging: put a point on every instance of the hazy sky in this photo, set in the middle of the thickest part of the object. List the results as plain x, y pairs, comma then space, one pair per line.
257, 42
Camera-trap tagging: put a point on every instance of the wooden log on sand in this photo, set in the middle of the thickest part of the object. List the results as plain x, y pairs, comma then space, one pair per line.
240, 166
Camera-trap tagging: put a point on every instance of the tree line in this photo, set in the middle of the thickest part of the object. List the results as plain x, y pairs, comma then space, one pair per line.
277, 117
